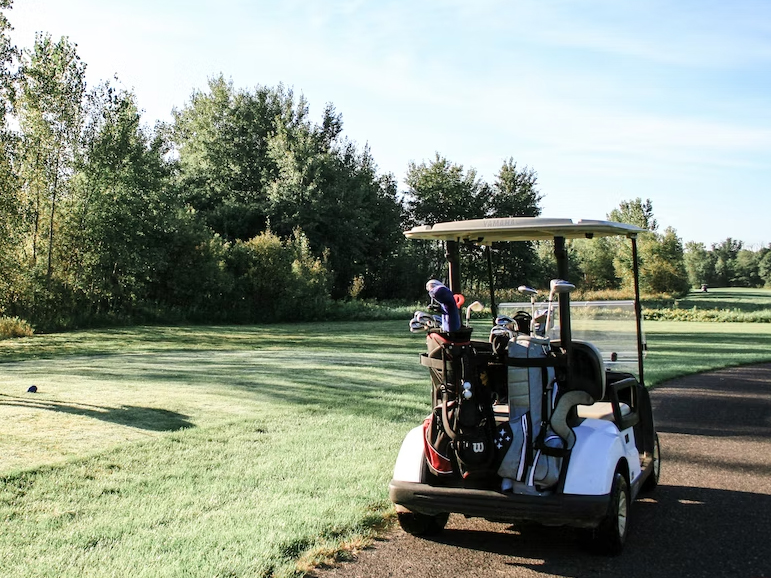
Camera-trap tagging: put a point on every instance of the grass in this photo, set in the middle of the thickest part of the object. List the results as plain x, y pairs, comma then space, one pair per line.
200, 451
229, 451
736, 305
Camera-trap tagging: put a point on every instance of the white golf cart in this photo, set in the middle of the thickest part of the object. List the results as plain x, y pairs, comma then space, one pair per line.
547, 419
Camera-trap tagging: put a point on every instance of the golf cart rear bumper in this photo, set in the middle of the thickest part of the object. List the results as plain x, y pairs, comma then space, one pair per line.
552, 510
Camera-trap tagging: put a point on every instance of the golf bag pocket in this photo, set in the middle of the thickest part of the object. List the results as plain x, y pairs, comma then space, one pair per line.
474, 452
516, 462
436, 445
546, 468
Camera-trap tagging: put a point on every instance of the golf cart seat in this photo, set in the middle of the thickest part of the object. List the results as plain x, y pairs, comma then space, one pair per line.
602, 410
588, 370
589, 375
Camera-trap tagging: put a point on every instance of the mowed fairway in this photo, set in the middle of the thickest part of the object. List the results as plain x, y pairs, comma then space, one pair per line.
228, 451
199, 452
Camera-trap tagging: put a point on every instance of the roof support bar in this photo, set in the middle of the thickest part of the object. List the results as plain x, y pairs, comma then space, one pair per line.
638, 309
561, 255
452, 254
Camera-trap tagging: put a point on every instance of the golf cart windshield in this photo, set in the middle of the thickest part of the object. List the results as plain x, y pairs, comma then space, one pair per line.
608, 325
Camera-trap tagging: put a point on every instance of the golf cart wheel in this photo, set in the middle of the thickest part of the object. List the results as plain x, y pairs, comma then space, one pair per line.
609, 537
422, 524
653, 479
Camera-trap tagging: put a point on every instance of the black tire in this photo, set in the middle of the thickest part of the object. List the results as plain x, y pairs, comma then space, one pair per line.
610, 536
653, 480
422, 524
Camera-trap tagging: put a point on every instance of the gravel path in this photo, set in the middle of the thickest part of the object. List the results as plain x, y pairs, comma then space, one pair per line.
710, 515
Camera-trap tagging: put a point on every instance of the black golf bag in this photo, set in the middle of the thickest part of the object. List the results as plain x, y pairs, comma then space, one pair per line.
458, 435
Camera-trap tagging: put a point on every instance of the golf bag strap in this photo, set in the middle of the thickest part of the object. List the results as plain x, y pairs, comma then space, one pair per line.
431, 362
535, 361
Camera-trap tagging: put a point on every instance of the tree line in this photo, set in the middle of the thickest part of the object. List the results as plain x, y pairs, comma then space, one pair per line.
242, 208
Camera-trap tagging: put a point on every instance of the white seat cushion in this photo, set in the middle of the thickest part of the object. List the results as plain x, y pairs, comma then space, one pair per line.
601, 410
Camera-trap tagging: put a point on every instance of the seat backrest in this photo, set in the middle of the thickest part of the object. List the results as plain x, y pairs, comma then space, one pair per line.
588, 370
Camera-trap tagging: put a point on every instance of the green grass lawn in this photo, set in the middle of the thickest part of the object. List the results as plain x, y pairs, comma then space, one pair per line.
229, 451
721, 304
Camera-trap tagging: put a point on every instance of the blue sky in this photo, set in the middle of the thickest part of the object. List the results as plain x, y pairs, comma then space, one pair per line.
606, 100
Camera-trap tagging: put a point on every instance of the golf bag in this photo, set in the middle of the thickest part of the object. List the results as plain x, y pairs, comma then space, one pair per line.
534, 458
458, 435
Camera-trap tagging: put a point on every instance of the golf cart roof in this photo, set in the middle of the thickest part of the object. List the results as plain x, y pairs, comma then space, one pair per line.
484, 231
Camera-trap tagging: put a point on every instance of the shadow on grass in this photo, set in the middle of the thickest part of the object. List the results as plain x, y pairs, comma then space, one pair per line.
146, 418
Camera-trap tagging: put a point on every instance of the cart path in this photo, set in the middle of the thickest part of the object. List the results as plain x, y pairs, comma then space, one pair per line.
710, 515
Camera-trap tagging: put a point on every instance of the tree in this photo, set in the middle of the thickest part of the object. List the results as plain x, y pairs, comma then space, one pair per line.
664, 268
50, 113
660, 256
442, 191
222, 137
11, 213
699, 263
249, 161
635, 212
332, 192
595, 260
764, 266
120, 218
747, 269
514, 193
725, 261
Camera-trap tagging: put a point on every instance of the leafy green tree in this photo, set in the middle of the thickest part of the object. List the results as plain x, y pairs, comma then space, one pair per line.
49, 106
333, 193
120, 217
222, 137
699, 263
664, 268
747, 269
660, 256
764, 266
253, 160
11, 213
725, 261
442, 191
514, 193
635, 212
595, 260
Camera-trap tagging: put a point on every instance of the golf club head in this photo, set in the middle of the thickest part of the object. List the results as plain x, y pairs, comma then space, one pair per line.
476, 306
559, 286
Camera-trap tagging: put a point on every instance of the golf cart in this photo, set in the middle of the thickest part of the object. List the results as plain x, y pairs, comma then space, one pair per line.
533, 422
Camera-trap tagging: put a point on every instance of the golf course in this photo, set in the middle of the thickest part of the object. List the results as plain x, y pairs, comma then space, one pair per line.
259, 450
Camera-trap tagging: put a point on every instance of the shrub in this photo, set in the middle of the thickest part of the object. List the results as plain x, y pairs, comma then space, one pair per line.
11, 327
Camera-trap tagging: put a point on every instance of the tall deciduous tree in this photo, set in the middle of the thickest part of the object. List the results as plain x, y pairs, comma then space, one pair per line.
514, 193
50, 111
725, 260
661, 256
222, 139
119, 215
444, 191
10, 202
699, 263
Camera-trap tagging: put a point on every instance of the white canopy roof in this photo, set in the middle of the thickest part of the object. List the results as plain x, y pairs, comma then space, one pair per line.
485, 231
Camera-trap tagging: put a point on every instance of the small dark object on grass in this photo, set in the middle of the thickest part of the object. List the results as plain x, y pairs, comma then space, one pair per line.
32, 389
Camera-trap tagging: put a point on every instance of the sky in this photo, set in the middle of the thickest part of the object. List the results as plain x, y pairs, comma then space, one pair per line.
607, 100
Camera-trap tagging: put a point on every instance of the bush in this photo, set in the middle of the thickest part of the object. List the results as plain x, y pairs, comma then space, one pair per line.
11, 327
